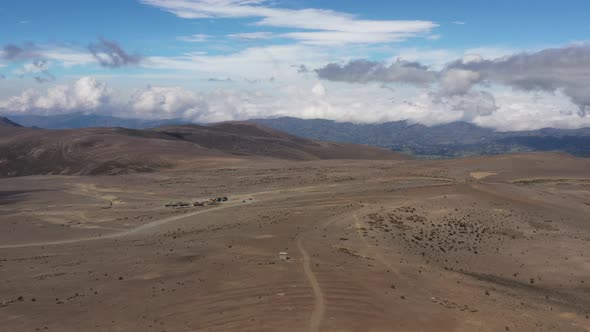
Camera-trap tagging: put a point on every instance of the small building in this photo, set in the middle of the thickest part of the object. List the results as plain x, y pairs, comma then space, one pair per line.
283, 255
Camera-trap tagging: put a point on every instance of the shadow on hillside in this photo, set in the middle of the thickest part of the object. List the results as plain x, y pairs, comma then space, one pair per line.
13, 196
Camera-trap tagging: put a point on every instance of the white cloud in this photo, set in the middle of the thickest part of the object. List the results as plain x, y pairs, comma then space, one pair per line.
319, 90
196, 38
321, 25
364, 104
252, 63
85, 94
505, 110
519, 110
491, 52
458, 81
165, 102
35, 67
343, 37
304, 97
436, 58
252, 35
565, 69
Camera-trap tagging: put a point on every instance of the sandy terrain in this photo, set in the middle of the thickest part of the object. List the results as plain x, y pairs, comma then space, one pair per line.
482, 244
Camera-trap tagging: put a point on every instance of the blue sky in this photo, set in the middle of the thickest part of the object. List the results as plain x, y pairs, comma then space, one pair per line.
210, 60
514, 23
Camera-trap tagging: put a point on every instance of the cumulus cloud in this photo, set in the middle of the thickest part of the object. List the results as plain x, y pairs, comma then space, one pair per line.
566, 69
458, 81
364, 71
85, 94
156, 102
367, 103
451, 81
363, 104
523, 110
518, 97
471, 104
110, 54
319, 90
166, 102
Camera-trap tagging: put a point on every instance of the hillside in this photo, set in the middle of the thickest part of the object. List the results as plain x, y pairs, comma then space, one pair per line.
248, 139
5, 122
25, 151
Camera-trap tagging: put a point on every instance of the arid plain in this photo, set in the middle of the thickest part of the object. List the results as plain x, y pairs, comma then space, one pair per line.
479, 244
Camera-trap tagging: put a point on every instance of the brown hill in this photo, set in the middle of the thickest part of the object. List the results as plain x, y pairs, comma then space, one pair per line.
25, 151
249, 139
6, 122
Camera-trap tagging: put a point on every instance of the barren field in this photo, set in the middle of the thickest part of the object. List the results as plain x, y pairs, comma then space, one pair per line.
481, 244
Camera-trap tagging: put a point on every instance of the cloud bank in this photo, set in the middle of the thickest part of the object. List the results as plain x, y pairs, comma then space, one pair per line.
364, 71
516, 92
366, 103
85, 94
566, 69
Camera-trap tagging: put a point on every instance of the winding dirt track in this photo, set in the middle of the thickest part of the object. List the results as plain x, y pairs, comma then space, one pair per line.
145, 227
128, 232
319, 307
159, 222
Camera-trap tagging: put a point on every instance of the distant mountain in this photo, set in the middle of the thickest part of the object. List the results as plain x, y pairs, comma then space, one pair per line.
5, 122
456, 139
81, 120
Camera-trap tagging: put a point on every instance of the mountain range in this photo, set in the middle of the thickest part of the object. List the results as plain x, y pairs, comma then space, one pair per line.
457, 139
83, 120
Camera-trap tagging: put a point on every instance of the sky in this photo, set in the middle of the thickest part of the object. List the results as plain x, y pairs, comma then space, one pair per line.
507, 65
